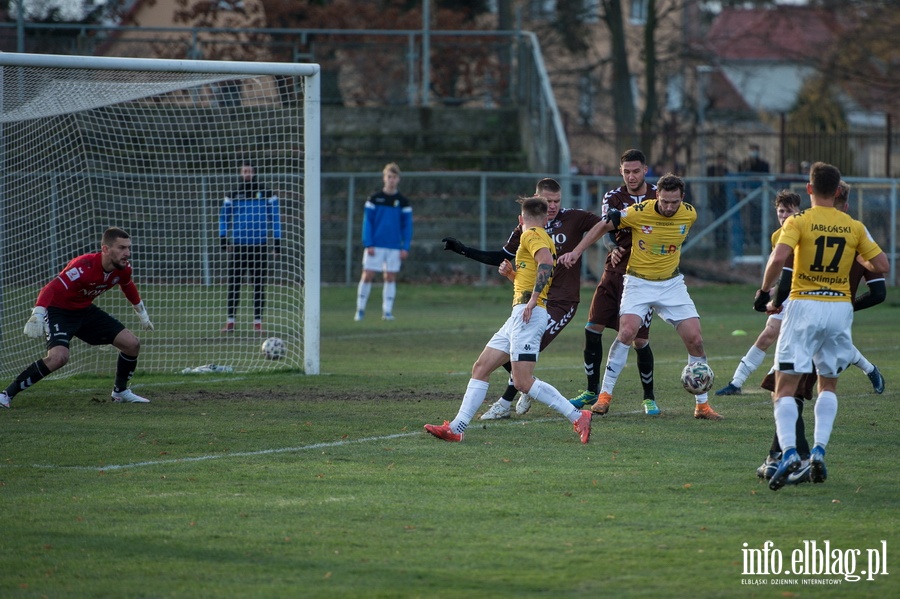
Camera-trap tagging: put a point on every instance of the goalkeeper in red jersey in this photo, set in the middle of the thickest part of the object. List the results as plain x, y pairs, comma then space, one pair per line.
65, 309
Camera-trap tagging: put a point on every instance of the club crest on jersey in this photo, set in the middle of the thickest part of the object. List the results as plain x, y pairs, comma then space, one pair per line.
646, 229
73, 274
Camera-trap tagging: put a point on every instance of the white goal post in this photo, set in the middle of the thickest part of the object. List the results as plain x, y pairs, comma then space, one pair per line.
154, 147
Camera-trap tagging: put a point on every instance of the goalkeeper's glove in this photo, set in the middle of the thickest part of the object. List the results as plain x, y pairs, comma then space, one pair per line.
142, 314
37, 326
454, 245
761, 301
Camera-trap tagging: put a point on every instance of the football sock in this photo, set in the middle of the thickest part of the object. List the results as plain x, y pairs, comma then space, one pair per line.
748, 365
387, 297
645, 368
125, 366
786, 422
802, 443
548, 394
362, 295
31, 375
593, 358
825, 409
476, 391
615, 362
703, 397
860, 361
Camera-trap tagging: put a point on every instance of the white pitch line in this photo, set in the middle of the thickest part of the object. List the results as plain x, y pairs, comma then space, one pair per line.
240, 454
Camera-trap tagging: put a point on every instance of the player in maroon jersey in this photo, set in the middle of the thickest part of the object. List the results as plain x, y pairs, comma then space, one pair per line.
608, 295
566, 227
65, 309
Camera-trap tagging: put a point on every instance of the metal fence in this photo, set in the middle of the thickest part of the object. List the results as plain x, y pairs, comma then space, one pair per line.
731, 236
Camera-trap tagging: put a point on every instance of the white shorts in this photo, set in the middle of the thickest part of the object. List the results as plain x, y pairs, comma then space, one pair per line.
669, 298
815, 334
520, 339
384, 260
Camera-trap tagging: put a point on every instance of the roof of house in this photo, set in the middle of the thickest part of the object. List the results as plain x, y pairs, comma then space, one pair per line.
780, 33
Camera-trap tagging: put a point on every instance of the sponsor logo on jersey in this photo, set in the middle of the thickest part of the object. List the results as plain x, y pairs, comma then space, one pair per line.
73, 274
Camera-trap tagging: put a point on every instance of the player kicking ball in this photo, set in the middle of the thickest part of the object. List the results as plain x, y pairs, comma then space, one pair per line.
65, 309
518, 340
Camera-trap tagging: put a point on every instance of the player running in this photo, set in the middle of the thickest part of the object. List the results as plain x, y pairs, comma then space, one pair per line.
518, 340
787, 203
65, 309
566, 227
816, 331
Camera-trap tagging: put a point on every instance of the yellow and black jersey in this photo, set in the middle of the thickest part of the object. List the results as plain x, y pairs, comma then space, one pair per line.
656, 240
825, 242
532, 241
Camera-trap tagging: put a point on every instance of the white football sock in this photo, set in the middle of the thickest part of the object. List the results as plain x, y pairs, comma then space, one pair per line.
860, 361
548, 394
476, 391
387, 297
786, 422
362, 295
615, 362
826, 411
748, 365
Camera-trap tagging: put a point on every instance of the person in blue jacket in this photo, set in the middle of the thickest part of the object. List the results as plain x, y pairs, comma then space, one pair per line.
386, 235
249, 217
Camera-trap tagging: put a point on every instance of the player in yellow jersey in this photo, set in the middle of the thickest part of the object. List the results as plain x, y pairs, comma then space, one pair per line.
652, 280
519, 340
815, 333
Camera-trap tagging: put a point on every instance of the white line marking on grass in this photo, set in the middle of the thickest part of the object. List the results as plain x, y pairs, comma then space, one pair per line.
240, 454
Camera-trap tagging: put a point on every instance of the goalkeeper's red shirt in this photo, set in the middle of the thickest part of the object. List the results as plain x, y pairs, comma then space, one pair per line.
82, 280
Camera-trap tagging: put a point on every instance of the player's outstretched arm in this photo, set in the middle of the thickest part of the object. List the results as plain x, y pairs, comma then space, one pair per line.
490, 258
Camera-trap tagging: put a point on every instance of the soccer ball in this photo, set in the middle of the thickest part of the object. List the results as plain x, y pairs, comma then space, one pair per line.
273, 348
697, 378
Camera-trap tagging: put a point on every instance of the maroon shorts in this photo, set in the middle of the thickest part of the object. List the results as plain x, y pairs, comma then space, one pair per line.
804, 387
605, 304
561, 314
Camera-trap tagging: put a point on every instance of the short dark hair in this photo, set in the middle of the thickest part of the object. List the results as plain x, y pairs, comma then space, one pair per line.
631, 156
548, 184
787, 198
534, 206
111, 234
824, 179
670, 182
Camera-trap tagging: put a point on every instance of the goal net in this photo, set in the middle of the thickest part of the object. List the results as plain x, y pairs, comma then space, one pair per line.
155, 147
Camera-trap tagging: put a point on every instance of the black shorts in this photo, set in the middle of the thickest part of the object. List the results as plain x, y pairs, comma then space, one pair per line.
605, 304
92, 325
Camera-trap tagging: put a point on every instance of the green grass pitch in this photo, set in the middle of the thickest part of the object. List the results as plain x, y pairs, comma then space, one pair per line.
283, 485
